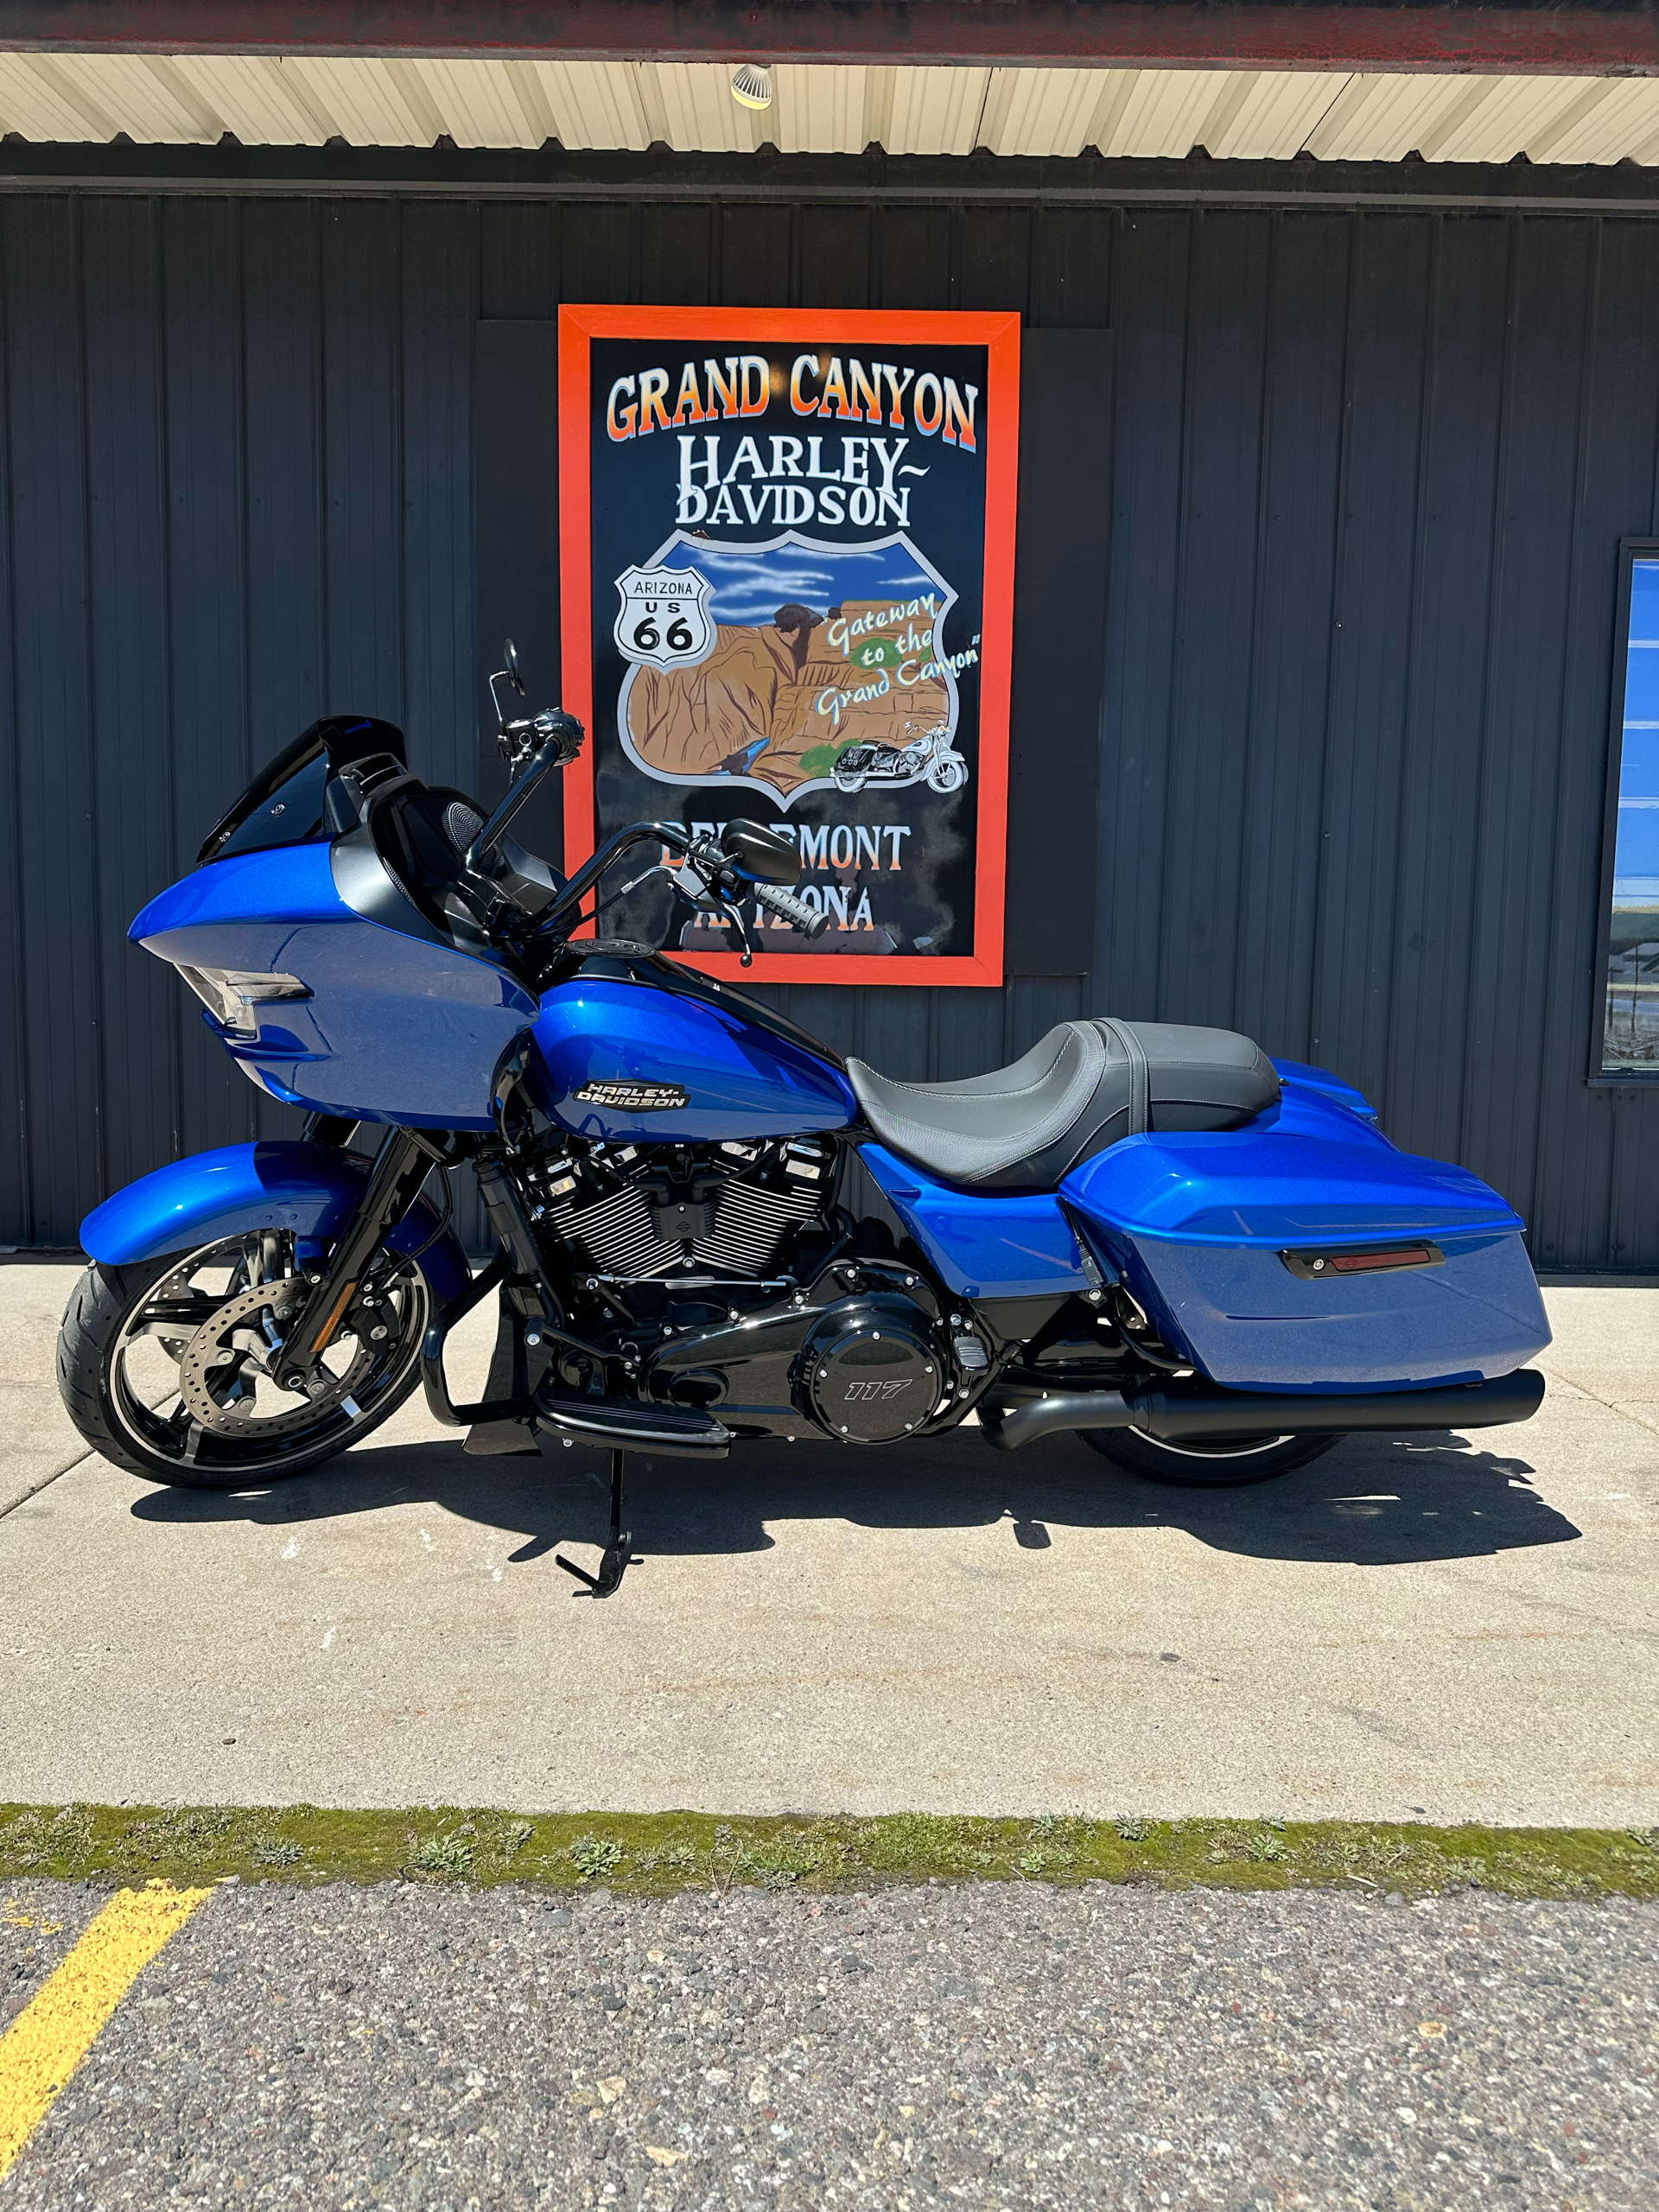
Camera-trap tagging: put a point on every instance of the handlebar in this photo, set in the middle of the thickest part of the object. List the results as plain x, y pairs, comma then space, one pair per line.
551, 741
704, 855
533, 745
809, 920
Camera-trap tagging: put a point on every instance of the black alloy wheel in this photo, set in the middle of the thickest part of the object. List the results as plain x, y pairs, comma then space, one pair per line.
173, 1370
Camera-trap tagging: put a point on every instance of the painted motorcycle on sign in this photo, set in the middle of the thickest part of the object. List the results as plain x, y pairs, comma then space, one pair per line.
929, 759
1209, 1264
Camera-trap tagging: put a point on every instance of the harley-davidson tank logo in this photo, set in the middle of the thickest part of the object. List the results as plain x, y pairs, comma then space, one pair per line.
634, 1098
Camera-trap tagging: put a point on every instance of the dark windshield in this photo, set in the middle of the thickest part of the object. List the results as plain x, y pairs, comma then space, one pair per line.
283, 805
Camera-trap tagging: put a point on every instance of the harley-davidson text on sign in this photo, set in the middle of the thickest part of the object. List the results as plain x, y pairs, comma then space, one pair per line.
787, 567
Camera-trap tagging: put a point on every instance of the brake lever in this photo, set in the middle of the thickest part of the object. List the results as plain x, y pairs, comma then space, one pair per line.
736, 913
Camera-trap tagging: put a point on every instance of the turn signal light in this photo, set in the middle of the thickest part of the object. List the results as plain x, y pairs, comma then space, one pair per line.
230, 994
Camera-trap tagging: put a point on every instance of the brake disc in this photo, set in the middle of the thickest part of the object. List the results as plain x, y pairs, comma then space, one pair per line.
236, 1337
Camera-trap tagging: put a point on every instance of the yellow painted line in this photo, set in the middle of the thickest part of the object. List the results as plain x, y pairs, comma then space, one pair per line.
56, 2029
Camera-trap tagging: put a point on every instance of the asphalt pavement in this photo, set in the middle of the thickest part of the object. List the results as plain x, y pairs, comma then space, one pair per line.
430, 2050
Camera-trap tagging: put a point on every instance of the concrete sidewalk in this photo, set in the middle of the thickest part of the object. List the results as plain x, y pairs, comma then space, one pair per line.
1459, 1628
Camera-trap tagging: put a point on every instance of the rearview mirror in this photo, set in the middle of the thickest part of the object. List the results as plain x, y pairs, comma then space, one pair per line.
764, 856
510, 659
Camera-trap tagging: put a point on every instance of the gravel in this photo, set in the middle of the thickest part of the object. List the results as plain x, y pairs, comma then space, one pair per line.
418, 2047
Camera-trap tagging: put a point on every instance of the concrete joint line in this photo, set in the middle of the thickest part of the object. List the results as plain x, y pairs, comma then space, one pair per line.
35, 1488
1608, 1404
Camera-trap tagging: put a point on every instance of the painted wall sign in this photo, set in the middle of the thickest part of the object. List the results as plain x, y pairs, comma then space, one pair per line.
787, 559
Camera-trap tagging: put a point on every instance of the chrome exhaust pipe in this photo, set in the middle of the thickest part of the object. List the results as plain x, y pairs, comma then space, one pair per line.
1170, 1416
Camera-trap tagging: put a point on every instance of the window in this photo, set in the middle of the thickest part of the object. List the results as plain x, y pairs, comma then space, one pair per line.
1630, 1028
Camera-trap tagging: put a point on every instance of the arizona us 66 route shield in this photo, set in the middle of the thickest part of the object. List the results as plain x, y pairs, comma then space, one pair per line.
663, 619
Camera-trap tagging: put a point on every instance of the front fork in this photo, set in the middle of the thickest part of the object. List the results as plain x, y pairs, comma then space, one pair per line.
401, 1166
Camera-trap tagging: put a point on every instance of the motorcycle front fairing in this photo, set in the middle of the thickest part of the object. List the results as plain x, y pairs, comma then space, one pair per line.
396, 1024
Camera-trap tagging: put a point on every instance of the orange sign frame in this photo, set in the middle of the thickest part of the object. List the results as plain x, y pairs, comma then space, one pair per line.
999, 334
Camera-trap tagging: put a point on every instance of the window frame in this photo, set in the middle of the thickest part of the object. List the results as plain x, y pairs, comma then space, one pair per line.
1630, 550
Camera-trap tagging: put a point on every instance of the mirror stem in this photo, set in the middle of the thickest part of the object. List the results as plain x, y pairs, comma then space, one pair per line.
501, 677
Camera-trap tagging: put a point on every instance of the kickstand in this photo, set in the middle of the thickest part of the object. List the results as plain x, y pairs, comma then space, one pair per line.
618, 1552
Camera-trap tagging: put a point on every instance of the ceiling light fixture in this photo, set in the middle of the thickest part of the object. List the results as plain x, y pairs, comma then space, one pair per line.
752, 85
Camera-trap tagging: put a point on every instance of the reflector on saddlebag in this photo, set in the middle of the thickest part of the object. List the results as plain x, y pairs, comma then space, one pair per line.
1373, 1260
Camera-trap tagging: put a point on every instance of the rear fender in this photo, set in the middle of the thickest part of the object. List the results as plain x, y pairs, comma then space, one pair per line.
311, 1189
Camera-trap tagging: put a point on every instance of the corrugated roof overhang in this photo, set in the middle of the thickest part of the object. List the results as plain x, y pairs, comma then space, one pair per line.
1569, 84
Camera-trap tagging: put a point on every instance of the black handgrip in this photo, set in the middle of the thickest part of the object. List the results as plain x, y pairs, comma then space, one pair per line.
807, 919
563, 732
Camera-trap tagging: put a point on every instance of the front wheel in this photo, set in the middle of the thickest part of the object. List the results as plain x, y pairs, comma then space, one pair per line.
1207, 1462
171, 1368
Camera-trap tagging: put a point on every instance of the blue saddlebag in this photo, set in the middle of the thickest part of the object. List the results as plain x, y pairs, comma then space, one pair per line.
1264, 1254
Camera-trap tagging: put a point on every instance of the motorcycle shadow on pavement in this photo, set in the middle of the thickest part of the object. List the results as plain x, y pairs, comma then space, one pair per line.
1371, 1502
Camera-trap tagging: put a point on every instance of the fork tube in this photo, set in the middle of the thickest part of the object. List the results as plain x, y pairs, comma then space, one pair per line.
402, 1165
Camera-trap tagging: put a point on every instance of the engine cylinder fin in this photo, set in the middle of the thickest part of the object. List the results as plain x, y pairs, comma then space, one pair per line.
751, 1223
616, 1232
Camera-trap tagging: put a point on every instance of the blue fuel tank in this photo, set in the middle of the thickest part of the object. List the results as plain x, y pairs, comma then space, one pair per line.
643, 1051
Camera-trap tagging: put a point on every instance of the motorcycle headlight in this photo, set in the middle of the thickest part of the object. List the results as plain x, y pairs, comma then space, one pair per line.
230, 994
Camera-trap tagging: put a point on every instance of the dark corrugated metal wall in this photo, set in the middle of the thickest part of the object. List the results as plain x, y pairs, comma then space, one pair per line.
1369, 471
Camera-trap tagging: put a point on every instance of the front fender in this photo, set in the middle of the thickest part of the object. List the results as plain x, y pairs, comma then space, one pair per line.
310, 1188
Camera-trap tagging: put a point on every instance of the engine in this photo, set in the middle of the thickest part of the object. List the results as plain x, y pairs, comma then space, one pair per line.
738, 1295
680, 1212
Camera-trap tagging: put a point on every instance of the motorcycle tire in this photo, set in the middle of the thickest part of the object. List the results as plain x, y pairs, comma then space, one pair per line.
1210, 1463
124, 1418
947, 775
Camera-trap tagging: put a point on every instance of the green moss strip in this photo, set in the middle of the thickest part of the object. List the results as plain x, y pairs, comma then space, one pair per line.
655, 1853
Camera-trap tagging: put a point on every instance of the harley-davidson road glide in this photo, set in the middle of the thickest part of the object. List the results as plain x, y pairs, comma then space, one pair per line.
1209, 1264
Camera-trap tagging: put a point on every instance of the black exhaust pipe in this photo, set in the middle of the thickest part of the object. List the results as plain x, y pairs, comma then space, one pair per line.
1170, 1415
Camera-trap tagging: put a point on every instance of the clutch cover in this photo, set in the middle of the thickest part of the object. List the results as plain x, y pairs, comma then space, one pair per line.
872, 1376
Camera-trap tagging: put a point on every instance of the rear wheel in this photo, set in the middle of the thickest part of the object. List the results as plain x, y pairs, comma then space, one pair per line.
171, 1368
1207, 1462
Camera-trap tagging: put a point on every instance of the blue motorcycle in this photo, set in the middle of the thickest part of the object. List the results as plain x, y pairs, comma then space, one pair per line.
1210, 1265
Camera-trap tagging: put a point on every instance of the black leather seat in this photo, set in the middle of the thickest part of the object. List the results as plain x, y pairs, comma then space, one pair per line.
1086, 1084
